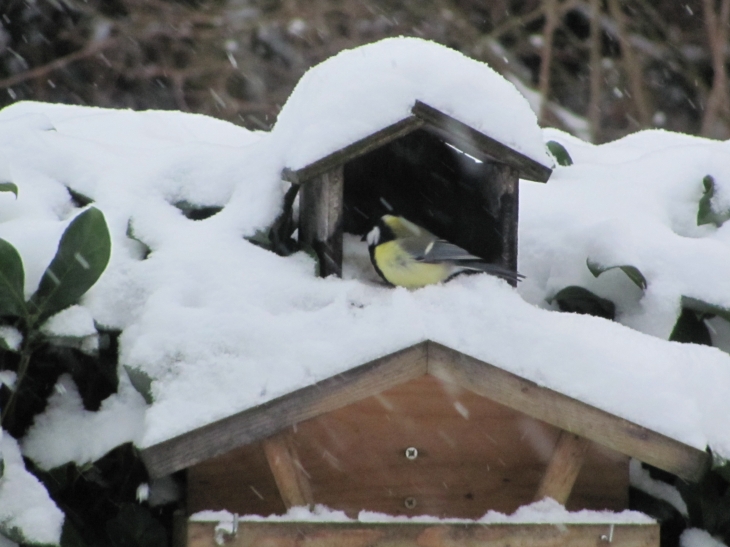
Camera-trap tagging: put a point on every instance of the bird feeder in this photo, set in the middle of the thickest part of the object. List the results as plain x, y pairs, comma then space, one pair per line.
426, 430
438, 172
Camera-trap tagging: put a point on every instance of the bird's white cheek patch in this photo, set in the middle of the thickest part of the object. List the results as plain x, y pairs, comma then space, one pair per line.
373, 236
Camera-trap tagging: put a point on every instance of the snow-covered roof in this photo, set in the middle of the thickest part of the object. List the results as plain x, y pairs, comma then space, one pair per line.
222, 325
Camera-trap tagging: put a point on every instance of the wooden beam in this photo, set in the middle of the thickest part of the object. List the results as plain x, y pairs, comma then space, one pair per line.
563, 469
504, 181
320, 219
566, 413
263, 421
354, 150
478, 144
290, 476
355, 534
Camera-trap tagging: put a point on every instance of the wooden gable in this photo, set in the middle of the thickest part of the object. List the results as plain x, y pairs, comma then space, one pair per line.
451, 368
421, 447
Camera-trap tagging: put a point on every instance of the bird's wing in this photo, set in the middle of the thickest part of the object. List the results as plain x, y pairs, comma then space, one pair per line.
442, 251
439, 250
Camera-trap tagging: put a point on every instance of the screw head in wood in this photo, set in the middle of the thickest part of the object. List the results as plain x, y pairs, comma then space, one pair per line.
411, 452
410, 503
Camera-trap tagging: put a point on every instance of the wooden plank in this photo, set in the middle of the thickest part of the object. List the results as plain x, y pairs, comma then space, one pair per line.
351, 151
239, 481
355, 534
478, 144
566, 413
504, 182
320, 219
285, 465
473, 455
562, 471
263, 421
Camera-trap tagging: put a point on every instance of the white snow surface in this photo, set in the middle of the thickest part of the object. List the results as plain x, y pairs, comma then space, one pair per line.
222, 325
641, 478
546, 511
26, 510
359, 91
79, 435
694, 537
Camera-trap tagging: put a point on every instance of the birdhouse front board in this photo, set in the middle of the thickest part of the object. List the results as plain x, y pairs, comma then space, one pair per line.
425, 447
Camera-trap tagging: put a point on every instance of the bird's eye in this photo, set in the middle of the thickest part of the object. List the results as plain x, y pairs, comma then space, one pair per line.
373, 236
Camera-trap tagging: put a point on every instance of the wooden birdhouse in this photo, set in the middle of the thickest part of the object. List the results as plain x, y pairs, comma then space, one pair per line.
429, 167
426, 430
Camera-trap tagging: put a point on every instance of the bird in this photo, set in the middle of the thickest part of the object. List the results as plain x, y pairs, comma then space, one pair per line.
407, 255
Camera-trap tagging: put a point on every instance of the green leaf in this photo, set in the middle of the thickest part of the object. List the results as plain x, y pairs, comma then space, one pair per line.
705, 213
690, 328
701, 306
82, 256
633, 273
576, 299
197, 212
9, 187
12, 281
560, 153
79, 199
146, 251
142, 382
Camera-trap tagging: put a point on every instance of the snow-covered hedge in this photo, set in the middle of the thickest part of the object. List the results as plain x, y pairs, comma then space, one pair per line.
191, 322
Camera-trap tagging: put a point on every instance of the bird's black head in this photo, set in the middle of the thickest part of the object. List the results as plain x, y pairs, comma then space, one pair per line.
380, 233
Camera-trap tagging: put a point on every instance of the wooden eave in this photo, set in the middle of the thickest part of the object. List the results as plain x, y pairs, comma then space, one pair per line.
448, 365
452, 131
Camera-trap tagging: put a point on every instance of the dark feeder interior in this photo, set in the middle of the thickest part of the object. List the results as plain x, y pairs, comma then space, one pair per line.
437, 186
429, 168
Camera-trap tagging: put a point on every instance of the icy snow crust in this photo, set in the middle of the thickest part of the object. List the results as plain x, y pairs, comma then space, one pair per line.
26, 510
222, 325
359, 91
546, 511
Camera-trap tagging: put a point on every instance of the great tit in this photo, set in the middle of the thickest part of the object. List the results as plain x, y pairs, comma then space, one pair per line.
407, 255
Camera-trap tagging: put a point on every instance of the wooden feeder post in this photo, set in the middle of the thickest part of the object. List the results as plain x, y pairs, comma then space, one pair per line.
320, 218
507, 181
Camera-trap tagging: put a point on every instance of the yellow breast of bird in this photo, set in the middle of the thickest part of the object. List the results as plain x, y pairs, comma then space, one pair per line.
401, 270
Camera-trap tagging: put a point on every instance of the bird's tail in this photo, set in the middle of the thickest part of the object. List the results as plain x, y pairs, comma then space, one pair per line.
475, 266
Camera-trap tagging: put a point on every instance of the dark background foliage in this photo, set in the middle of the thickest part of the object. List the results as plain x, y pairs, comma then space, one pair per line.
619, 65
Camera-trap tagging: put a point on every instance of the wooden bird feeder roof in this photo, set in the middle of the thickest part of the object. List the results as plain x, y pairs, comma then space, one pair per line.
449, 366
449, 129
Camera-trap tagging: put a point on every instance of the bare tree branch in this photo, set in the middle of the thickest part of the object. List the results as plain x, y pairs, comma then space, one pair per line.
551, 23
717, 111
632, 66
90, 50
596, 72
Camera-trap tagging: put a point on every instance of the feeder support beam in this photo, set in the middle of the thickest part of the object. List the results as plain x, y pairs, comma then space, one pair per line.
290, 477
563, 469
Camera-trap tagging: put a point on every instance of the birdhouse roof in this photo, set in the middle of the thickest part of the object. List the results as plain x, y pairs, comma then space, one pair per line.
449, 366
367, 94
447, 128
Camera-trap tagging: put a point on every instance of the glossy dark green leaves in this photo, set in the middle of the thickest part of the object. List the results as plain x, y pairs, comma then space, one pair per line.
12, 281
559, 153
83, 254
576, 299
706, 214
632, 272
701, 306
9, 187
